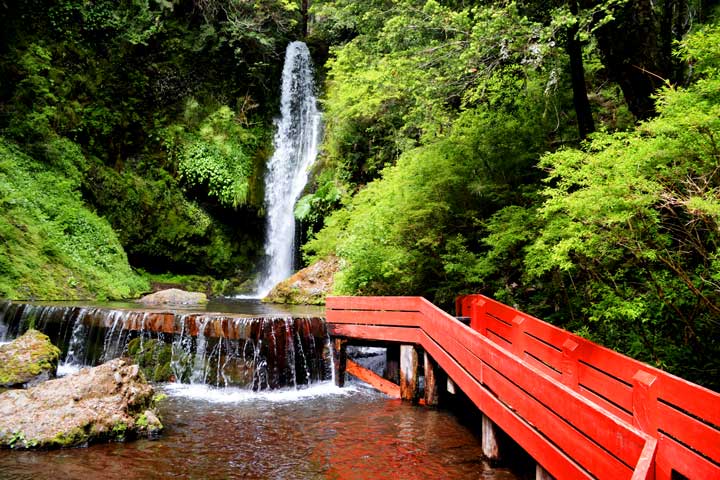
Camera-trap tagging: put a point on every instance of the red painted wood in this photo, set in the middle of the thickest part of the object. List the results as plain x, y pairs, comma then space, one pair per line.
699, 401
372, 332
606, 386
585, 452
596, 380
555, 461
603, 403
372, 378
645, 467
406, 319
689, 431
373, 303
674, 456
591, 420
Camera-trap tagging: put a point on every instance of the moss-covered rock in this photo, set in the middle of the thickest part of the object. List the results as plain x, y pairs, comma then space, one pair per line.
308, 286
111, 402
28, 360
154, 358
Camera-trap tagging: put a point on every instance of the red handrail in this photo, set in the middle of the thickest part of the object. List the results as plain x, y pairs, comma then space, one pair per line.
579, 409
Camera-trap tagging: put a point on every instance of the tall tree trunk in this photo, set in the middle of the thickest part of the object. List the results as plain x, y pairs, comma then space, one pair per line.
583, 112
304, 6
632, 53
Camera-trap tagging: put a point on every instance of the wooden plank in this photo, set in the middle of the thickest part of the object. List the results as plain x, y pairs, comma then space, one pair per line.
373, 303
693, 398
545, 353
645, 467
569, 405
409, 388
603, 403
537, 446
371, 332
673, 456
591, 420
432, 378
366, 317
701, 437
500, 310
587, 453
372, 379
609, 387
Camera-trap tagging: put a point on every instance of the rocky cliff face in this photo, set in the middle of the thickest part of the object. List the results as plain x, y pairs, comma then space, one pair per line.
28, 360
109, 402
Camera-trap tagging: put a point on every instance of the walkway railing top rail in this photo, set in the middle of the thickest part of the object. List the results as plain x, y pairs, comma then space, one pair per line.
580, 409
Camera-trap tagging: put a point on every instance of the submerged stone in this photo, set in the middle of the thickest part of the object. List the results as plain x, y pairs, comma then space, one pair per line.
109, 402
174, 296
28, 360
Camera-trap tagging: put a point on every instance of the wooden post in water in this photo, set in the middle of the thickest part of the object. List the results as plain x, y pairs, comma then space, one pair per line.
392, 363
409, 373
541, 473
339, 360
432, 381
490, 446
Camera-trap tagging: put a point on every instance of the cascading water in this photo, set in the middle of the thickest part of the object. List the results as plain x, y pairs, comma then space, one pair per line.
296, 147
254, 353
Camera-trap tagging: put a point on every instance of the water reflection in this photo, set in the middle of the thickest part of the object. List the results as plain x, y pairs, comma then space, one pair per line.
325, 434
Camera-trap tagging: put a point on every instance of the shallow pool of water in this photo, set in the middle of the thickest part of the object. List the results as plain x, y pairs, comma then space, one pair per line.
319, 433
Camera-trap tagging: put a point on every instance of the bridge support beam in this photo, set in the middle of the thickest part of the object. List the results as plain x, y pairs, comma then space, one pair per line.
435, 381
392, 363
339, 353
409, 389
490, 444
542, 474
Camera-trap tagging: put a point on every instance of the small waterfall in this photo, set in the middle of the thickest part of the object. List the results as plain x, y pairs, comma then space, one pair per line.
257, 353
296, 147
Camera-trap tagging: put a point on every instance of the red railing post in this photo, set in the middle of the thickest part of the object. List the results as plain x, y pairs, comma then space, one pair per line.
644, 402
477, 317
518, 335
570, 363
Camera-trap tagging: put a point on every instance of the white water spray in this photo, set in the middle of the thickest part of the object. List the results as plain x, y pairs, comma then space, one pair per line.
296, 147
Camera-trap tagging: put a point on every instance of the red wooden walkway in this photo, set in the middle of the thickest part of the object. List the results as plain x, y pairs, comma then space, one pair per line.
581, 410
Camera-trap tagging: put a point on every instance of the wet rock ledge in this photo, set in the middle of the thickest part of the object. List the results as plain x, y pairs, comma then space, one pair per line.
109, 402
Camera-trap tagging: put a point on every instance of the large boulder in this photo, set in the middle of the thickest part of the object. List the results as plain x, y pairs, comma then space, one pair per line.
109, 402
308, 286
28, 360
174, 296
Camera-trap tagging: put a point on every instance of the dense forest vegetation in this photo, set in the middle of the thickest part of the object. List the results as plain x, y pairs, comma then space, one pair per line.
559, 156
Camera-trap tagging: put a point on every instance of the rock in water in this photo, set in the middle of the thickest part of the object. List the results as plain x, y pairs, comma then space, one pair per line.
174, 296
28, 360
109, 402
310, 285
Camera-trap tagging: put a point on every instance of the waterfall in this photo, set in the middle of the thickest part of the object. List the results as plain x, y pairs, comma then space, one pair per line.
296, 146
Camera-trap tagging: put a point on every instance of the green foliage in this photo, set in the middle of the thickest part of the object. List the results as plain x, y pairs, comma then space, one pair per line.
216, 157
160, 102
624, 245
52, 245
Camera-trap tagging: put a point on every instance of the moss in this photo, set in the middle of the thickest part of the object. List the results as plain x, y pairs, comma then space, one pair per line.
27, 357
119, 431
72, 438
153, 357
